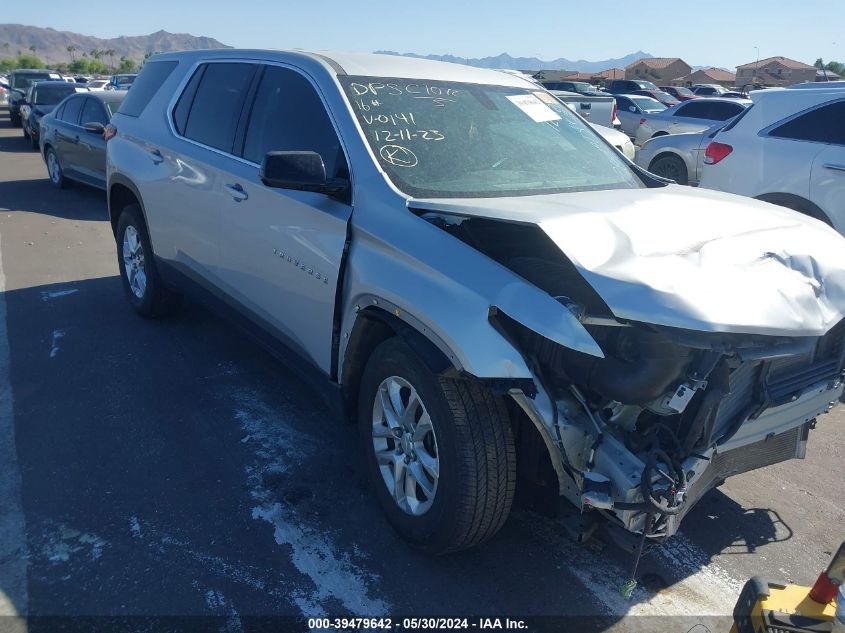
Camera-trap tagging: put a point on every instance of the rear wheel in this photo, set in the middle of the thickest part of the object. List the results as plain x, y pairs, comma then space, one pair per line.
25, 133
141, 281
54, 169
670, 167
440, 452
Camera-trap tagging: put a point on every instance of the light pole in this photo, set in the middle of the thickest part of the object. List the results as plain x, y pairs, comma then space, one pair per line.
755, 65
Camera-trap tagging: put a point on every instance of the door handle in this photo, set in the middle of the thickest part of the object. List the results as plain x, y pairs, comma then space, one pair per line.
156, 156
834, 166
237, 192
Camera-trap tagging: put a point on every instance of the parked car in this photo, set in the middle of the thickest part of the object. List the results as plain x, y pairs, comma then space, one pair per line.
98, 84
789, 149
733, 94
689, 116
631, 109
709, 90
679, 92
40, 99
507, 289
619, 140
120, 82
629, 86
598, 110
663, 97
678, 157
581, 87
72, 140
19, 82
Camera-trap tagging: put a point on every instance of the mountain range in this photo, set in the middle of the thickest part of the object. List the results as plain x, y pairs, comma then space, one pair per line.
51, 45
532, 63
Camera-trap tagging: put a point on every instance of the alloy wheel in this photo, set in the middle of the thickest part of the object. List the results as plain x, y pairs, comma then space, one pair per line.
405, 446
134, 262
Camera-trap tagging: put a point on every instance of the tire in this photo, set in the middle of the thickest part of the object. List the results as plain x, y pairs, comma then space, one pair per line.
54, 169
15, 121
670, 167
470, 439
34, 142
25, 133
143, 286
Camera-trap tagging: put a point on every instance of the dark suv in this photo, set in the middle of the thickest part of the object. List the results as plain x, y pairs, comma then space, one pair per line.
19, 82
628, 86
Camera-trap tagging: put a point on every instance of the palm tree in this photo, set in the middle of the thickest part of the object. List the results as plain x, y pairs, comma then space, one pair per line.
71, 49
33, 48
110, 54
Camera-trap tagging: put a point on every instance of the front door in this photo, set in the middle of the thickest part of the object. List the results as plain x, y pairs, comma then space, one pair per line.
281, 249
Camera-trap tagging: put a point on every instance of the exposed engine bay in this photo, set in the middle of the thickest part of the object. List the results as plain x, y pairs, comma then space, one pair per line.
639, 435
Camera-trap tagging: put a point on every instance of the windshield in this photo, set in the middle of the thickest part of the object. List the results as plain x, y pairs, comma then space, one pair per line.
124, 80
685, 92
647, 104
51, 94
21, 81
447, 139
583, 86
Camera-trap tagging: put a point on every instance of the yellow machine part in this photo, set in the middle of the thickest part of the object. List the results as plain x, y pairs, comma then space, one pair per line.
792, 599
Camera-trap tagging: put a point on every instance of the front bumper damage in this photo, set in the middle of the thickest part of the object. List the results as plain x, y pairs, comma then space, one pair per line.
598, 471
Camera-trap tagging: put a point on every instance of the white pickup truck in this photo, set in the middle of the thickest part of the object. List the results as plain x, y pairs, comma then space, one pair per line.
596, 110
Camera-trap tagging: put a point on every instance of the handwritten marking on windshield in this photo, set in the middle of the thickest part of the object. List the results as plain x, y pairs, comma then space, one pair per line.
398, 156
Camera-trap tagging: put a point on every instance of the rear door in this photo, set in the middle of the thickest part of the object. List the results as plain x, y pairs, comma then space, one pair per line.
692, 116
185, 197
827, 177
282, 249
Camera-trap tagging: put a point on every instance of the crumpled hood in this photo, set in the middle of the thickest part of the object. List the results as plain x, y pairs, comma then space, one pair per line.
689, 258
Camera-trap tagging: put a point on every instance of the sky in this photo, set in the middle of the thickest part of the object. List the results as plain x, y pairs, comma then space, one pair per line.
715, 32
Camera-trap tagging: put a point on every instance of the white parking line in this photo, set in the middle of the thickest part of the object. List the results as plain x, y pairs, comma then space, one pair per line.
13, 552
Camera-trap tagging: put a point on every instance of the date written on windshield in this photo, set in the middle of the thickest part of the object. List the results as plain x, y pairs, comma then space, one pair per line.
404, 134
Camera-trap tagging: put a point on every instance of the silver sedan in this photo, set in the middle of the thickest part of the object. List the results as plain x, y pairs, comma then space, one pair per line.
678, 157
695, 115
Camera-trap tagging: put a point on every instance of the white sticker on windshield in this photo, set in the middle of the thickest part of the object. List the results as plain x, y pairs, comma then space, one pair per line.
533, 107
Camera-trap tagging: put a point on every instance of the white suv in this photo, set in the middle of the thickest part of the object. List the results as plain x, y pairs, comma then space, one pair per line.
789, 149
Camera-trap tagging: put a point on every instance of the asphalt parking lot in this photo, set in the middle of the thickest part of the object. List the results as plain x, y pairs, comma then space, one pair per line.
173, 468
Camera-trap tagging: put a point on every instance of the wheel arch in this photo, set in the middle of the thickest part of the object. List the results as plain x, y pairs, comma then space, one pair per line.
373, 326
796, 203
121, 193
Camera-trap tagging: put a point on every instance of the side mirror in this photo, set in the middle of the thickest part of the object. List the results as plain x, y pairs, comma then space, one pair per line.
94, 127
299, 171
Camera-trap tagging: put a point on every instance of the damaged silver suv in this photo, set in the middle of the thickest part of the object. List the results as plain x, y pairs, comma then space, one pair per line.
485, 284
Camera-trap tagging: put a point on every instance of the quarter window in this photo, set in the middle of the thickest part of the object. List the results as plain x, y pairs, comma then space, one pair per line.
216, 107
823, 125
288, 114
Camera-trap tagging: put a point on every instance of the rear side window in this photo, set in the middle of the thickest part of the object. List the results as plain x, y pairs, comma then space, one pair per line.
823, 125
694, 110
217, 104
152, 76
288, 115
70, 113
93, 112
722, 111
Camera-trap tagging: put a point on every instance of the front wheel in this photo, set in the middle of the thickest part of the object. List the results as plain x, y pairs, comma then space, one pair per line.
440, 451
141, 281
